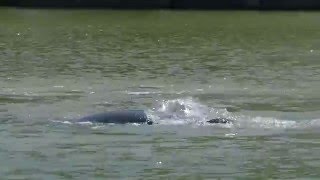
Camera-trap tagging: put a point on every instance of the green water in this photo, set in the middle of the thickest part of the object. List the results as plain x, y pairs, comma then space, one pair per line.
261, 69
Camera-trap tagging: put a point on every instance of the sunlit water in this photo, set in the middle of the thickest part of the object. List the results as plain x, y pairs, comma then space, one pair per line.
260, 69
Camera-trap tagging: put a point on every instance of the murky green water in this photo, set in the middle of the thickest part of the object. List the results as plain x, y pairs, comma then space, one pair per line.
261, 69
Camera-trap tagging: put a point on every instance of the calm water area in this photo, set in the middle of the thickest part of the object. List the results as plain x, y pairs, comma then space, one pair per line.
261, 69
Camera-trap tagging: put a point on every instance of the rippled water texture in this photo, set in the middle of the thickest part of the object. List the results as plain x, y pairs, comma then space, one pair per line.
260, 69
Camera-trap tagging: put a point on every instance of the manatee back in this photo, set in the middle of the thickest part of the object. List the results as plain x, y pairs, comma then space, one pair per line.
117, 117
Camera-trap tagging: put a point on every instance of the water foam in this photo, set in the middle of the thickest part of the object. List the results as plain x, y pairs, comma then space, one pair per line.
184, 111
190, 111
266, 123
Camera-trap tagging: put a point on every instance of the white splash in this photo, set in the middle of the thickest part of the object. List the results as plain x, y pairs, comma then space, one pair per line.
183, 111
188, 111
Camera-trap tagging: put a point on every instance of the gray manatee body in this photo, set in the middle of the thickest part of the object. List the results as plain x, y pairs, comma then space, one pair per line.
132, 116
119, 117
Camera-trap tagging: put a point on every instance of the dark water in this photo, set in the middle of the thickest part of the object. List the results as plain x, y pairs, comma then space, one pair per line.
261, 69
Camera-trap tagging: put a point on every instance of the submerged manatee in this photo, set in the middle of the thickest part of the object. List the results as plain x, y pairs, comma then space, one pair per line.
132, 116
119, 117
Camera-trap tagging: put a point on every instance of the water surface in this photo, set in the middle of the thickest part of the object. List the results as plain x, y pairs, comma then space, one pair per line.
182, 67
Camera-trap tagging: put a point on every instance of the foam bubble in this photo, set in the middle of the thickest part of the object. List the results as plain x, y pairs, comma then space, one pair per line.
183, 111
267, 122
142, 93
189, 111
62, 122
85, 123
